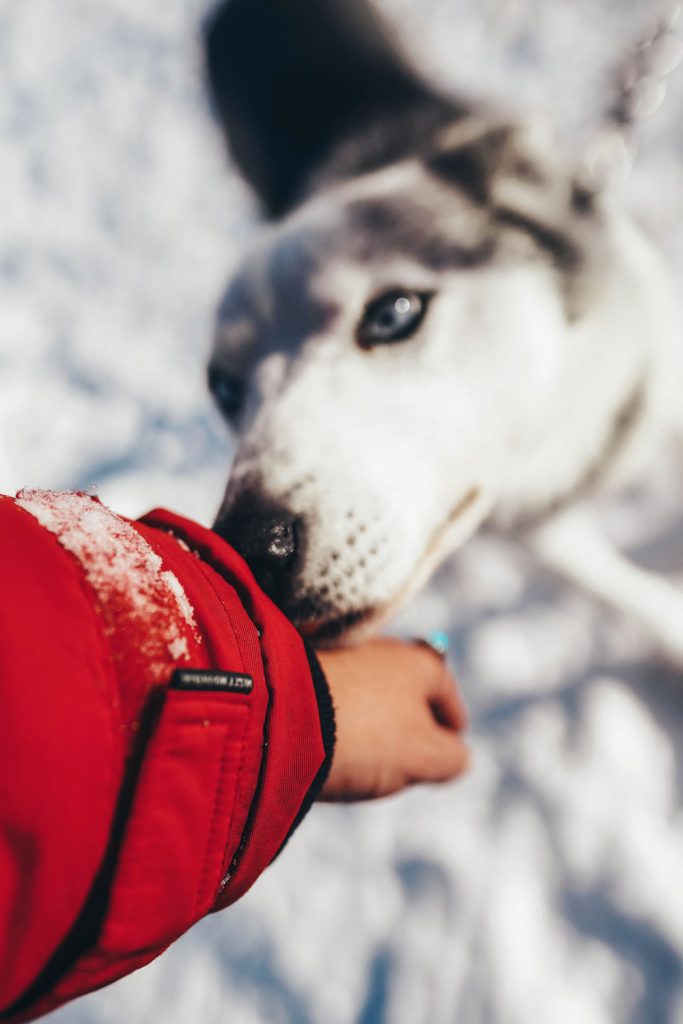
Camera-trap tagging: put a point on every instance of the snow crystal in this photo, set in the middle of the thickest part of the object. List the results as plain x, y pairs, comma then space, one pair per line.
178, 648
184, 606
122, 568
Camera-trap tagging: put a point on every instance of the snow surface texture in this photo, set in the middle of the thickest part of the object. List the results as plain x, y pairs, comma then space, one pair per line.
548, 886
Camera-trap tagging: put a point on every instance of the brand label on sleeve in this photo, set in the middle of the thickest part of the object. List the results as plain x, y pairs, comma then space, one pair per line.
210, 679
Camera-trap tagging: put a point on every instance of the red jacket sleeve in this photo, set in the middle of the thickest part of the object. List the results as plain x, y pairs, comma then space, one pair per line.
162, 730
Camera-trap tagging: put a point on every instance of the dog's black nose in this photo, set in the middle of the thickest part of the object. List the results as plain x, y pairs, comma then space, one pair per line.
267, 536
269, 542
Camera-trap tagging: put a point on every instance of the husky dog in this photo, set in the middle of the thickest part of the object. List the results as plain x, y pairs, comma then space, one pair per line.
442, 325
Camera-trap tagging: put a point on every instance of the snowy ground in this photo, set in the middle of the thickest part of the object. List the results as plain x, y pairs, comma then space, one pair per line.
548, 886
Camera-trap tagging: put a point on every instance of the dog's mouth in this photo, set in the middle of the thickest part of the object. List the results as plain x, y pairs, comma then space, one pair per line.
325, 630
320, 633
435, 548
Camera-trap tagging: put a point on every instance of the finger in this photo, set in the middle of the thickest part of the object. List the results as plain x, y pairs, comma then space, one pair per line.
441, 689
447, 704
445, 758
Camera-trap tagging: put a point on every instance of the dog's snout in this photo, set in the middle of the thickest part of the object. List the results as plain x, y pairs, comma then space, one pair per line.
266, 535
279, 541
268, 541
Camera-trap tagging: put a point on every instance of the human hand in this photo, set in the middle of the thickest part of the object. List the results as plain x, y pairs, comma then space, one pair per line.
399, 717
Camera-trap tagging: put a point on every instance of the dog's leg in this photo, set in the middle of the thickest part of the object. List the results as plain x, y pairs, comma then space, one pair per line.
572, 545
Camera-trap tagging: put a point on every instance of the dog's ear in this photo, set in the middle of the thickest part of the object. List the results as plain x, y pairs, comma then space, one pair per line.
290, 78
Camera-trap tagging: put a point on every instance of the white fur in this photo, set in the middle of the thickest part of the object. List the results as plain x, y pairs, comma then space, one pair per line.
499, 405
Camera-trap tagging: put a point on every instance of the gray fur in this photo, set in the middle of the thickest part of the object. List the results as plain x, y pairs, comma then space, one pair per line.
378, 229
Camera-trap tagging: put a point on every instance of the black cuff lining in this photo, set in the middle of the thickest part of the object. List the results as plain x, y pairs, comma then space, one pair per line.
326, 712
328, 730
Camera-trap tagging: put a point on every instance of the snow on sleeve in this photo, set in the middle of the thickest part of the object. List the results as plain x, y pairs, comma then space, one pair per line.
134, 591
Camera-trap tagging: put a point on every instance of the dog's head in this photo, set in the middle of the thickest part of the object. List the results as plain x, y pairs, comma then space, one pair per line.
423, 265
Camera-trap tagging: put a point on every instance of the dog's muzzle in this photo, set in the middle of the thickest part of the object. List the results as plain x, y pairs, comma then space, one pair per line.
269, 538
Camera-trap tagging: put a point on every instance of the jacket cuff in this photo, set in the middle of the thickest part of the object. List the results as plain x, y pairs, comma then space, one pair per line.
328, 732
328, 726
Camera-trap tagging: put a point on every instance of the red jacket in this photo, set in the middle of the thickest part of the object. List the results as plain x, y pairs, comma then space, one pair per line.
162, 730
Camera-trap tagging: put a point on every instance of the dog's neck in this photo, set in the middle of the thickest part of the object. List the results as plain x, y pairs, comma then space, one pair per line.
623, 424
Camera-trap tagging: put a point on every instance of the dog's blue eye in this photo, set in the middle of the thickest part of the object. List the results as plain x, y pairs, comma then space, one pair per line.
228, 391
393, 316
